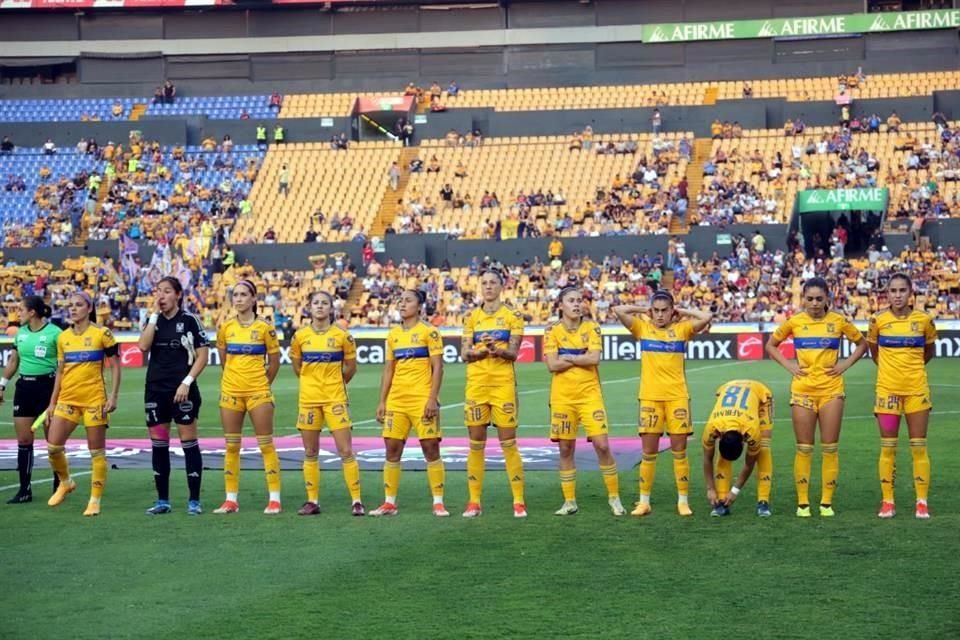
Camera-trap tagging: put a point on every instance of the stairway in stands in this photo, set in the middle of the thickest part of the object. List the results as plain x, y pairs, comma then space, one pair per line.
138, 111
710, 96
388, 204
701, 153
353, 298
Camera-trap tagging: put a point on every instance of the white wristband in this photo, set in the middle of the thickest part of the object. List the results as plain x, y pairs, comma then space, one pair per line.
3, 383
153, 319
735, 490
188, 380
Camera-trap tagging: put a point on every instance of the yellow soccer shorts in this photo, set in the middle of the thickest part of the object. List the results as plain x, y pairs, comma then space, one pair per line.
335, 415
490, 405
565, 420
665, 416
90, 415
243, 404
813, 402
900, 405
400, 420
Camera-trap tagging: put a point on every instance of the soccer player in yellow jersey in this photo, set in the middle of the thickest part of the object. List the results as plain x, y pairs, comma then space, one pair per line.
324, 357
572, 349
743, 413
902, 343
244, 342
79, 394
409, 399
816, 391
491, 341
663, 331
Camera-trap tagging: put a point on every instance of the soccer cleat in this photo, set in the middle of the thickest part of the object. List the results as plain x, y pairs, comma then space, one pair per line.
385, 510
568, 509
683, 508
887, 510
763, 509
616, 507
357, 509
309, 509
922, 512
720, 511
65, 489
519, 510
229, 506
22, 497
641, 510
803, 511
440, 511
826, 511
273, 508
93, 509
194, 508
159, 508
473, 510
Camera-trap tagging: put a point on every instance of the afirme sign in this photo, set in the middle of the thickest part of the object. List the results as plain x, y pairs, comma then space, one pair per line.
814, 200
803, 27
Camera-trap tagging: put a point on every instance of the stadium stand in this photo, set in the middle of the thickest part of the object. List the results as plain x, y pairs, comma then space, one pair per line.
67, 110
255, 107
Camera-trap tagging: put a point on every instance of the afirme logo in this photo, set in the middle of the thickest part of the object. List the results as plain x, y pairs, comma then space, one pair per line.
815, 198
880, 23
767, 30
658, 35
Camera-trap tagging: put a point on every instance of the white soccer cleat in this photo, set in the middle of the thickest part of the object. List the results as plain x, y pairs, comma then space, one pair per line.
568, 509
616, 507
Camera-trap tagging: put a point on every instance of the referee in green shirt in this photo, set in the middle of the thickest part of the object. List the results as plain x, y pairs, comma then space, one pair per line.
35, 356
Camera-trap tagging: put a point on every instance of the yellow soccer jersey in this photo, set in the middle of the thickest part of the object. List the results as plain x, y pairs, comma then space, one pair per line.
502, 325
412, 349
321, 355
662, 355
82, 357
576, 384
900, 341
817, 344
742, 405
243, 349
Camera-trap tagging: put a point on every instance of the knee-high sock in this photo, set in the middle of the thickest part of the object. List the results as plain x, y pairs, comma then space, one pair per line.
98, 477
830, 471
476, 469
681, 473
514, 464
271, 465
764, 471
25, 465
160, 457
311, 477
231, 466
648, 471
351, 477
888, 468
391, 480
193, 465
58, 462
568, 484
802, 462
436, 474
921, 467
611, 479
722, 477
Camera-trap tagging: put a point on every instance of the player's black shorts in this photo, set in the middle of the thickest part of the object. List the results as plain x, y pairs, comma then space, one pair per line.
31, 396
160, 408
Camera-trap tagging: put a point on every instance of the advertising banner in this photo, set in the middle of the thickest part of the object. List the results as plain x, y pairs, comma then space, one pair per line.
819, 200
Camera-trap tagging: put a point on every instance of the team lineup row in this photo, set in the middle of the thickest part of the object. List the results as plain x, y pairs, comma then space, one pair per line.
61, 384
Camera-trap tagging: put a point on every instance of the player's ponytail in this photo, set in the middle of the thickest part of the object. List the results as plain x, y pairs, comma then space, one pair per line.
421, 296
38, 306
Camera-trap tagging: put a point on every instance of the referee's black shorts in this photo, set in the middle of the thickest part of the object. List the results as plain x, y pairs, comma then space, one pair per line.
159, 407
31, 397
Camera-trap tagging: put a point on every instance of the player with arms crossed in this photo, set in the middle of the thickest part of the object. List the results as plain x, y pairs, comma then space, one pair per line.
817, 390
34, 355
79, 395
663, 397
743, 413
324, 357
243, 343
409, 399
902, 343
491, 340
178, 349
572, 349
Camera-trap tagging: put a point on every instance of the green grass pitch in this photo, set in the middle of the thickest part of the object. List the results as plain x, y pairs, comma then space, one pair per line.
588, 576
